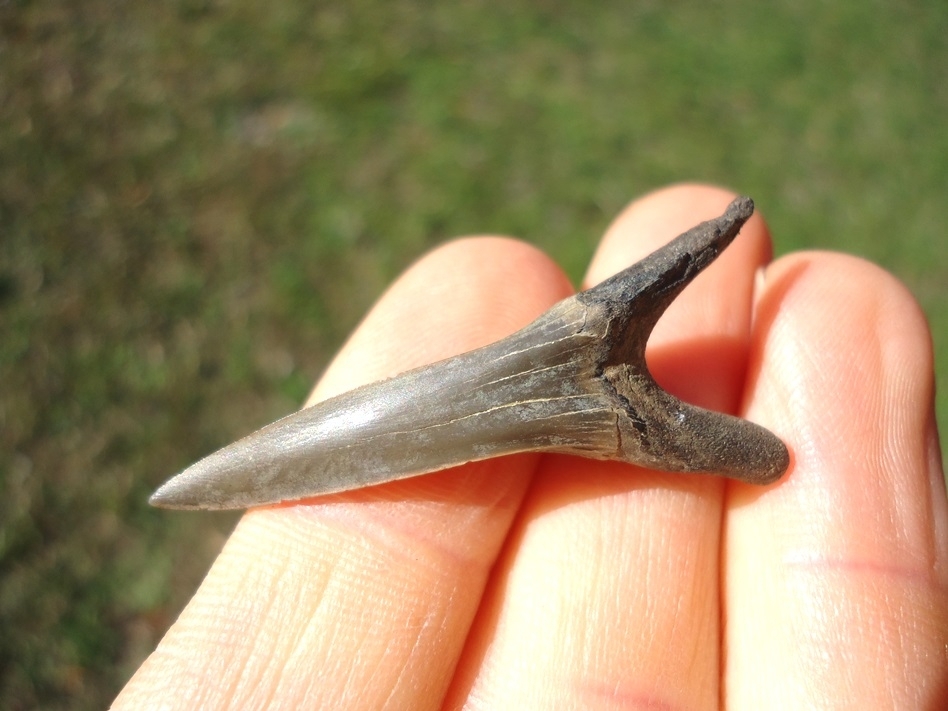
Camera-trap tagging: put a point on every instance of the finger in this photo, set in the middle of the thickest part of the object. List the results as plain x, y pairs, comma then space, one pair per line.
606, 595
364, 600
837, 578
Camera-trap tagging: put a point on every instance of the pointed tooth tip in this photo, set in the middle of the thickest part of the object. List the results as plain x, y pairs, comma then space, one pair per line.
174, 494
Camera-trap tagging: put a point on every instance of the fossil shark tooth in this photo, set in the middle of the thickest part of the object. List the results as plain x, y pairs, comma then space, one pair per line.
573, 381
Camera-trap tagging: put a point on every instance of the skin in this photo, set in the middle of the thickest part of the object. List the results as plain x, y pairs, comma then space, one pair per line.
557, 582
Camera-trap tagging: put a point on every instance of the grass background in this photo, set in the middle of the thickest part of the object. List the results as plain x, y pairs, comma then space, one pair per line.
199, 199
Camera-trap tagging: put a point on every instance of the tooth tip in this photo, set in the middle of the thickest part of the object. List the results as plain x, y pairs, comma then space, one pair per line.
176, 494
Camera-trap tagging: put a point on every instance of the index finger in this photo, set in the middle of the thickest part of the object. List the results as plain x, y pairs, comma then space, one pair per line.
364, 599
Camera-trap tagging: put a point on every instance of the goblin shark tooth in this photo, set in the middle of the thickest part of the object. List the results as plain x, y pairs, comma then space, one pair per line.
573, 381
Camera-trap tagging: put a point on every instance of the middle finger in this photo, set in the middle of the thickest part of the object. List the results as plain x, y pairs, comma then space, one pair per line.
607, 593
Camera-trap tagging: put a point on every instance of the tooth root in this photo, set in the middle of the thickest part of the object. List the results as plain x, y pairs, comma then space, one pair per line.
661, 432
573, 381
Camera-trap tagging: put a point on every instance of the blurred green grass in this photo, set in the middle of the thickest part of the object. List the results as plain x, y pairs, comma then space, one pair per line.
199, 199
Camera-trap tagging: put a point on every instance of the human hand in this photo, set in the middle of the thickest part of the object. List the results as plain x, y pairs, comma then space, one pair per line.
556, 582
